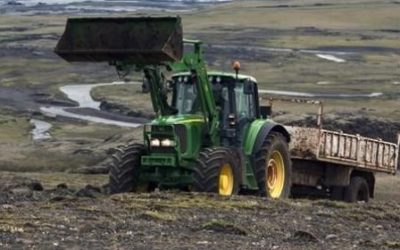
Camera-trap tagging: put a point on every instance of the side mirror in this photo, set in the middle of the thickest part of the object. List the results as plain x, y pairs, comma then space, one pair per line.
248, 87
265, 111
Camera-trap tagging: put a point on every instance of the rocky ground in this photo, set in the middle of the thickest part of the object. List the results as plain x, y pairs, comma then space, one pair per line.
64, 217
47, 207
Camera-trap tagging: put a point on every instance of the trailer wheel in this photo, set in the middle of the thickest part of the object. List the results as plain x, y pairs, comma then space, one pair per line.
358, 190
217, 171
124, 169
273, 167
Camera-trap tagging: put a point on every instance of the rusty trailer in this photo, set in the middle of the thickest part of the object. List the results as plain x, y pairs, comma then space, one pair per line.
343, 149
337, 164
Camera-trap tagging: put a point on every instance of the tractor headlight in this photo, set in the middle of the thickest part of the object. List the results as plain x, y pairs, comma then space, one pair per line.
163, 143
155, 142
168, 143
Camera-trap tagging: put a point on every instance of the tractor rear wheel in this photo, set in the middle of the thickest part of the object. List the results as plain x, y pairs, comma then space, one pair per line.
273, 167
358, 190
216, 171
124, 169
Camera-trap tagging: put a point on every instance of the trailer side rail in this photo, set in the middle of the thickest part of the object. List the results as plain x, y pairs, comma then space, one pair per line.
358, 151
343, 149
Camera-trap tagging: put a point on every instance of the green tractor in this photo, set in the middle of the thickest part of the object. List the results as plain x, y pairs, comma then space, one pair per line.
210, 134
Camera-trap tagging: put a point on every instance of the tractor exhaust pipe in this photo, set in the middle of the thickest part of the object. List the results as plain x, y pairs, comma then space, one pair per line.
136, 40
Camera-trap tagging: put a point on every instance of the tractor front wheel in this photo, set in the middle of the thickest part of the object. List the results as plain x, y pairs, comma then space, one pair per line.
216, 171
124, 169
273, 167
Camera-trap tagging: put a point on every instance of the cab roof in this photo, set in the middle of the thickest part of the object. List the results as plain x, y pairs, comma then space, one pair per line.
219, 73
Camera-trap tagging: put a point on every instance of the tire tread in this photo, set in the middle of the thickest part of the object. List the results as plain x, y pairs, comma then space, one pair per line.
274, 139
124, 168
207, 167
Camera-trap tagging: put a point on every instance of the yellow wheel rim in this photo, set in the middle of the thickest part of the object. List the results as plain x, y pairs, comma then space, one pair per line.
275, 175
226, 179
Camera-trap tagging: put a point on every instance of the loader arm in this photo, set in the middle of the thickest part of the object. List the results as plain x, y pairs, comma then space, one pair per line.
158, 91
194, 63
156, 80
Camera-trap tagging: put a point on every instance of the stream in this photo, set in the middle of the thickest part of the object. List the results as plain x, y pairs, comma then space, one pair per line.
81, 94
41, 129
331, 58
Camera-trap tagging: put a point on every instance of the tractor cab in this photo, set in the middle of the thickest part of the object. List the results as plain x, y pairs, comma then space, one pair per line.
236, 97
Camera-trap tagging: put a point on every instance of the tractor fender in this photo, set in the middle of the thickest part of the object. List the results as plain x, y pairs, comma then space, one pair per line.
258, 132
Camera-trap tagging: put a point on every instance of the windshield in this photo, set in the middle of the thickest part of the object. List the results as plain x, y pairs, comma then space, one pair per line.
185, 99
244, 102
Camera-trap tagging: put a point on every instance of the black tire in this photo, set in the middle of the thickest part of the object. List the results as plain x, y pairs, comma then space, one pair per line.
275, 142
207, 170
358, 190
125, 169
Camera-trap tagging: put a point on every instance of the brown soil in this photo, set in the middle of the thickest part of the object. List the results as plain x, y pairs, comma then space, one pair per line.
66, 218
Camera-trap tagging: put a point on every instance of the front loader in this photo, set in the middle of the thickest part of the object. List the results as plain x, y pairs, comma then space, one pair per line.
209, 135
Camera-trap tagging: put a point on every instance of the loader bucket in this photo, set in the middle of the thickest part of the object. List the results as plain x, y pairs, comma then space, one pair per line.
137, 40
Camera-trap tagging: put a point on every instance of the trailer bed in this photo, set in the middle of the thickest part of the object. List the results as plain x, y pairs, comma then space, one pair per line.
343, 149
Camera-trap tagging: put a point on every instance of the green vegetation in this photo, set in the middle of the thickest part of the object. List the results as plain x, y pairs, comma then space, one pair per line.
13, 129
337, 15
129, 95
387, 188
73, 145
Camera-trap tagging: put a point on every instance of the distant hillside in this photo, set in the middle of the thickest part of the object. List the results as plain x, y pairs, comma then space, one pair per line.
75, 6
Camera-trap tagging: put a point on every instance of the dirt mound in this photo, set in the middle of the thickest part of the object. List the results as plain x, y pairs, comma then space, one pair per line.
20, 189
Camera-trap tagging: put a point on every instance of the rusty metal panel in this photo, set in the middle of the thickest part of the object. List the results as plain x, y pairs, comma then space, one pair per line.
343, 149
137, 40
304, 142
